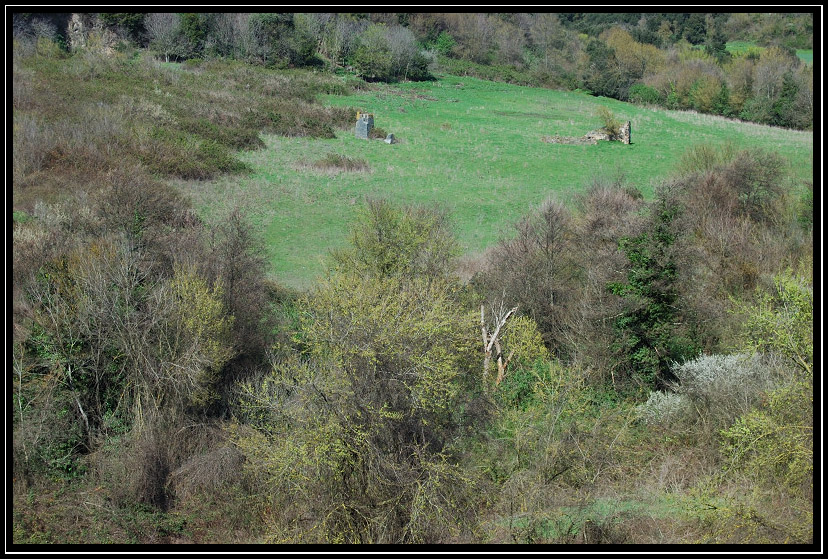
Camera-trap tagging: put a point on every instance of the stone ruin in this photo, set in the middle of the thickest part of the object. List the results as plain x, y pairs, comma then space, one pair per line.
624, 136
364, 125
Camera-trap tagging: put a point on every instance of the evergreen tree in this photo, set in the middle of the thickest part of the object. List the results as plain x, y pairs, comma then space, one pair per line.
716, 45
695, 29
601, 75
648, 339
783, 110
721, 102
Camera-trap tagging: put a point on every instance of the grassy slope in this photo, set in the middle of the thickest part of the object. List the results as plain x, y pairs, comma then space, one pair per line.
475, 148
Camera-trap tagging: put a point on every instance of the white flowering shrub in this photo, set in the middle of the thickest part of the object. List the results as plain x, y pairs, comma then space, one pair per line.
712, 388
665, 408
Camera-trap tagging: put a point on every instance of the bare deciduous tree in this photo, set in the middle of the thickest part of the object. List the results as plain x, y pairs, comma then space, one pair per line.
163, 30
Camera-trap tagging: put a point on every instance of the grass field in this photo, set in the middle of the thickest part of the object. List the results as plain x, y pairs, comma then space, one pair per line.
473, 147
741, 47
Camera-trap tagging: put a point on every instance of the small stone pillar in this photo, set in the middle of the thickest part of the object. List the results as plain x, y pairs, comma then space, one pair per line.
364, 125
625, 133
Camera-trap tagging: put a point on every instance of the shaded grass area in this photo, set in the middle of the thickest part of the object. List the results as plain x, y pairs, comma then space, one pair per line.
474, 147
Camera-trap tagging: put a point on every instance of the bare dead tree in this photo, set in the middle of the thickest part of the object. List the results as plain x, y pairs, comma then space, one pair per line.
492, 341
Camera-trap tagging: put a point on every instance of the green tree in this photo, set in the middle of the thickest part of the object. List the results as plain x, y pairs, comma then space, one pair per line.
721, 102
194, 29
372, 56
695, 28
783, 111
645, 95
444, 43
276, 40
601, 75
133, 23
716, 45
647, 338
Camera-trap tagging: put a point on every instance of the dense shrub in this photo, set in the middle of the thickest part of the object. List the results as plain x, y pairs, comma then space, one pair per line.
611, 124
388, 53
366, 419
390, 241
645, 95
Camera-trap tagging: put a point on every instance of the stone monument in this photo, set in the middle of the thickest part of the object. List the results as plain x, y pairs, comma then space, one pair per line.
364, 125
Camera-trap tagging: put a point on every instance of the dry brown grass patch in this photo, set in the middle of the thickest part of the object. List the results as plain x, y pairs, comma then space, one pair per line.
336, 163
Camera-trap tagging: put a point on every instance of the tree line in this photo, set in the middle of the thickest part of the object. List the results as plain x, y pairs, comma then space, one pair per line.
676, 61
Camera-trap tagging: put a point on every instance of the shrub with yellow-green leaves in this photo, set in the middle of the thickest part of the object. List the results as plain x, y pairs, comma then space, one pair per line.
774, 444
205, 326
353, 442
770, 448
387, 240
782, 321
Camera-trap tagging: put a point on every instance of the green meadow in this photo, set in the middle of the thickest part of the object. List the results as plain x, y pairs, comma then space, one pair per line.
473, 147
742, 47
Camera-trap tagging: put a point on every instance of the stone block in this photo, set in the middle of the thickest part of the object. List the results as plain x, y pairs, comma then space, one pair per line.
364, 125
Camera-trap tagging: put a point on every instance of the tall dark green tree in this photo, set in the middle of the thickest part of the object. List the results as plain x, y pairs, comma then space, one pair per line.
716, 45
783, 111
647, 334
601, 75
695, 28
132, 23
194, 29
721, 102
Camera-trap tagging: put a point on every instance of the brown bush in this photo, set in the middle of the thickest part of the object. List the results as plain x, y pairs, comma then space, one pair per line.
163, 459
606, 212
206, 473
235, 256
534, 270
334, 162
737, 229
150, 469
